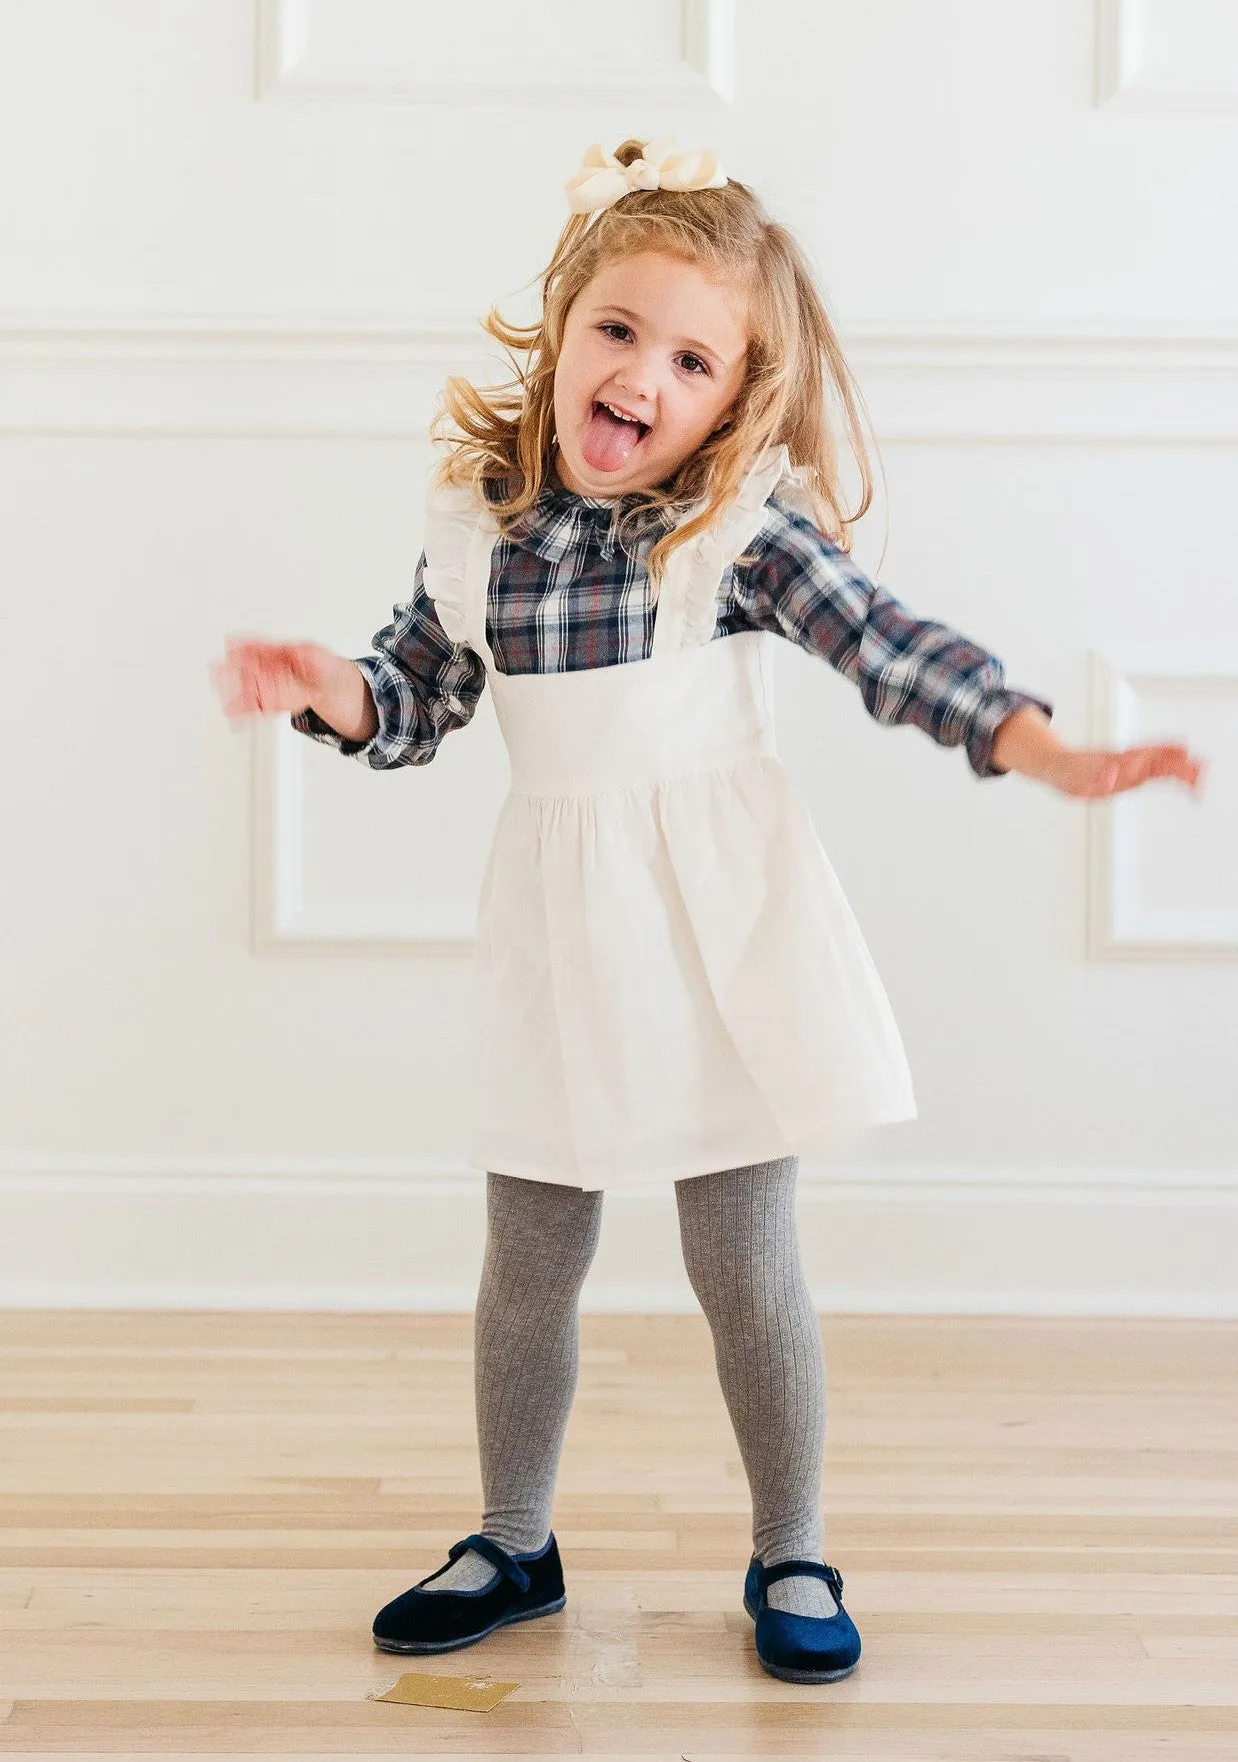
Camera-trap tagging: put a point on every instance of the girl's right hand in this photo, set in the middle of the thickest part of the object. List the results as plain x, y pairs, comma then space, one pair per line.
258, 678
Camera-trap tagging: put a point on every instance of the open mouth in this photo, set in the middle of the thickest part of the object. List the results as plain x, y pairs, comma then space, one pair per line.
611, 437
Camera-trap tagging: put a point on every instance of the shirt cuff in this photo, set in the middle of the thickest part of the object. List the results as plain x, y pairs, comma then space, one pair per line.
310, 722
986, 722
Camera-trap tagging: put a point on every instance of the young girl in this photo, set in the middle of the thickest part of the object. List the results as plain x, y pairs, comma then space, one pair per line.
670, 983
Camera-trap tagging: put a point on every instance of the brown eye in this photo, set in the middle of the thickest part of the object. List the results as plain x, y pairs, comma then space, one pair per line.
692, 364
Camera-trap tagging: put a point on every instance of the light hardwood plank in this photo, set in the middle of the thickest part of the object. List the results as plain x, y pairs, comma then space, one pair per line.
199, 1515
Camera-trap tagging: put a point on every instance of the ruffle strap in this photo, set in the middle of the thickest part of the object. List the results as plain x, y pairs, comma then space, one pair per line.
452, 519
698, 568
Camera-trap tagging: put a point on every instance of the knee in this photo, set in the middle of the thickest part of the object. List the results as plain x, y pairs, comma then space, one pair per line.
540, 1235
722, 1275
740, 1247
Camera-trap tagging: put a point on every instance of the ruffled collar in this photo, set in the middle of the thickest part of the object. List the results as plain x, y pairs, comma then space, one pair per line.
560, 519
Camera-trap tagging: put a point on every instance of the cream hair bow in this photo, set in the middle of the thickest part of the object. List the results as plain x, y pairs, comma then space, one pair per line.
601, 179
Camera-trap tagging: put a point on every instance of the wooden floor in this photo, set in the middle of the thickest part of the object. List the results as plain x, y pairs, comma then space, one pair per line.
1037, 1521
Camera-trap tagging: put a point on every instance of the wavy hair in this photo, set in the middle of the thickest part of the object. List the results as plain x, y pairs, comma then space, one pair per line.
501, 439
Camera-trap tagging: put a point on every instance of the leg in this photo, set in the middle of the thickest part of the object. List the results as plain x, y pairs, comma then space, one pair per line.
540, 1242
741, 1251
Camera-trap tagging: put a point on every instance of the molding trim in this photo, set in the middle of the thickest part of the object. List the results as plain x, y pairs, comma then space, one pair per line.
613, 1298
183, 1232
170, 377
1129, 74
229, 378
282, 922
288, 66
1119, 927
343, 1176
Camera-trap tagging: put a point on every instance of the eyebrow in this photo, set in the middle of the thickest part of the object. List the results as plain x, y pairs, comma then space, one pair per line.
683, 342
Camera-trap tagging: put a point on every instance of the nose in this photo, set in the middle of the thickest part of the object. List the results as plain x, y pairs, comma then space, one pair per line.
637, 378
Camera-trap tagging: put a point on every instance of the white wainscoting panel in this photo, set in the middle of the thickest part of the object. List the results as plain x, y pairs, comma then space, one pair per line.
1163, 873
185, 1233
581, 51
1168, 54
337, 871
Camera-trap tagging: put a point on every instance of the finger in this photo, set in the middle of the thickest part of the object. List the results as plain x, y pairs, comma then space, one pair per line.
1171, 761
245, 692
1187, 768
1180, 766
226, 684
1140, 765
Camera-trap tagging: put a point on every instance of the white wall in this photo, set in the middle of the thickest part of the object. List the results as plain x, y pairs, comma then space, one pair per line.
246, 244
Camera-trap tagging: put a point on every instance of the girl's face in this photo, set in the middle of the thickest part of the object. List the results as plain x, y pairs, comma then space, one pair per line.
653, 357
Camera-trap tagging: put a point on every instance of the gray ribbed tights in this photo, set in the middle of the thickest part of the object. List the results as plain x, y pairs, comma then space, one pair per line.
741, 1250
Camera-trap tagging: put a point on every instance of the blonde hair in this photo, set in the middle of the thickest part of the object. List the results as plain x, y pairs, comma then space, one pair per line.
794, 366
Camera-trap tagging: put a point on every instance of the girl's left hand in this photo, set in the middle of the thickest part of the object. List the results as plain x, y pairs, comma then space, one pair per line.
1090, 773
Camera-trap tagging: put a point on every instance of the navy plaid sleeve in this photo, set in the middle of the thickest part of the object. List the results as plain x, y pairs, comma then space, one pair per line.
423, 683
908, 669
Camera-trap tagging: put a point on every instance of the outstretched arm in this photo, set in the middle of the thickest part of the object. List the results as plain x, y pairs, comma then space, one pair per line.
396, 705
918, 671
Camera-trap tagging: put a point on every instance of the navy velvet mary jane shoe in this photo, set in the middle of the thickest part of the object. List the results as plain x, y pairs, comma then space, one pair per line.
528, 1585
801, 1648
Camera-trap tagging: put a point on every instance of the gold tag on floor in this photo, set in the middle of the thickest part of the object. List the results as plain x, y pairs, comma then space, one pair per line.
465, 1694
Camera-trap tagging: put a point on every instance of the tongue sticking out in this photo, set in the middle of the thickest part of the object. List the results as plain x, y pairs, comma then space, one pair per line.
609, 440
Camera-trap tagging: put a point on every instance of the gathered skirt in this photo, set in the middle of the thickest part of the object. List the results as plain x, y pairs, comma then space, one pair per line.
669, 980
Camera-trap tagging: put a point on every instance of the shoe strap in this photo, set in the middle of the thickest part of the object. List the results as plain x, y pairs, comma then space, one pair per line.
770, 1575
498, 1558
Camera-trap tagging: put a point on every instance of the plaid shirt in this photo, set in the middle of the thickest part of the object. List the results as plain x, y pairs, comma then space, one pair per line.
565, 595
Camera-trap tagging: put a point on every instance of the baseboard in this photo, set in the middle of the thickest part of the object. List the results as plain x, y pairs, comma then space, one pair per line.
213, 1234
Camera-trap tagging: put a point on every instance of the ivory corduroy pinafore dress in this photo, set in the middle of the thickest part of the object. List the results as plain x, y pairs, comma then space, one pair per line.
668, 979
